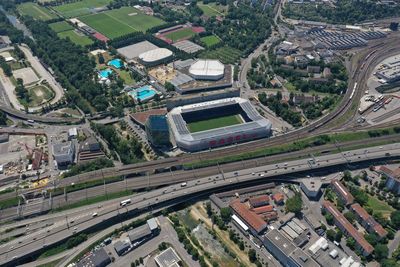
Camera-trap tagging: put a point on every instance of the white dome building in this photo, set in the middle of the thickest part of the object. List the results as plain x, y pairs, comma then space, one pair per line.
155, 56
205, 69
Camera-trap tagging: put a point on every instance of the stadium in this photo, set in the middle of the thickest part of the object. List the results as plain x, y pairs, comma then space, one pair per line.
216, 123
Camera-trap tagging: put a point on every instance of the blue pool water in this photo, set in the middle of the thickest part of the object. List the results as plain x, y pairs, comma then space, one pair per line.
105, 73
116, 63
143, 93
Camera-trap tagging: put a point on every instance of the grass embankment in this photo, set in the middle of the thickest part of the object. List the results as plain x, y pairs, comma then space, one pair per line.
299, 145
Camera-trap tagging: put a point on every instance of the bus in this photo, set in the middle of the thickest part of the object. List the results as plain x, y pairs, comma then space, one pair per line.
126, 201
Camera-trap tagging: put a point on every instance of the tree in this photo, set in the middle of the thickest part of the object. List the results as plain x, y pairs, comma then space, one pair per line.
395, 219
350, 216
169, 87
381, 252
101, 59
330, 234
329, 218
294, 204
3, 118
226, 214
394, 26
372, 238
389, 263
252, 255
338, 236
351, 243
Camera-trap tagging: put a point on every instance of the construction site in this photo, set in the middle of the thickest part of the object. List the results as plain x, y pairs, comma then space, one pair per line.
25, 157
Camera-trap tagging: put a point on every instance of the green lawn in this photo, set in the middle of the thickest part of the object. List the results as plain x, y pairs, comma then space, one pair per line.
61, 26
119, 22
39, 94
212, 9
35, 11
76, 38
226, 54
125, 75
379, 206
218, 122
79, 8
210, 40
180, 34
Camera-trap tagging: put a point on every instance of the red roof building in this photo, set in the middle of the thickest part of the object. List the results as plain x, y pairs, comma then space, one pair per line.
367, 221
279, 198
343, 224
258, 201
342, 192
255, 222
263, 209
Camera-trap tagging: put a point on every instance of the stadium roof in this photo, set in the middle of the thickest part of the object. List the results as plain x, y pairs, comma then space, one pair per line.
256, 127
204, 68
155, 55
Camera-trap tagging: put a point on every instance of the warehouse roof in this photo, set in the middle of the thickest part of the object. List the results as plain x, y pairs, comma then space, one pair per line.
259, 200
255, 221
263, 209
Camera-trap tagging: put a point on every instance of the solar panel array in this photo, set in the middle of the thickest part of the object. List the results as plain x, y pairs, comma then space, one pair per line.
250, 111
180, 124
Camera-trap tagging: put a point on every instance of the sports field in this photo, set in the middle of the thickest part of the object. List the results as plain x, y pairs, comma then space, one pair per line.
226, 54
61, 26
184, 33
210, 40
79, 39
218, 122
35, 11
118, 22
212, 9
79, 8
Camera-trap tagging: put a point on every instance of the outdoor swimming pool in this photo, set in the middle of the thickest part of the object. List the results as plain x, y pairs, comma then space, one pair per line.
105, 73
116, 63
143, 94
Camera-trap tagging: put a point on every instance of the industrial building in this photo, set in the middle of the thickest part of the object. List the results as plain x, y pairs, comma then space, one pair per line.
157, 130
155, 57
98, 258
168, 258
143, 233
64, 153
252, 125
347, 228
201, 75
255, 222
286, 252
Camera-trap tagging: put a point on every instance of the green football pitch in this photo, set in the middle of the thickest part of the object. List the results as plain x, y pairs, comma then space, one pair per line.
79, 8
218, 122
180, 34
35, 11
119, 22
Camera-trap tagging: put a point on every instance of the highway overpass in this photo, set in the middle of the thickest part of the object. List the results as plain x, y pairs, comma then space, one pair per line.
63, 228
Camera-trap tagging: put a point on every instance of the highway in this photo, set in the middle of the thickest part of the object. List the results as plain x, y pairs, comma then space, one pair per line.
62, 228
148, 179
